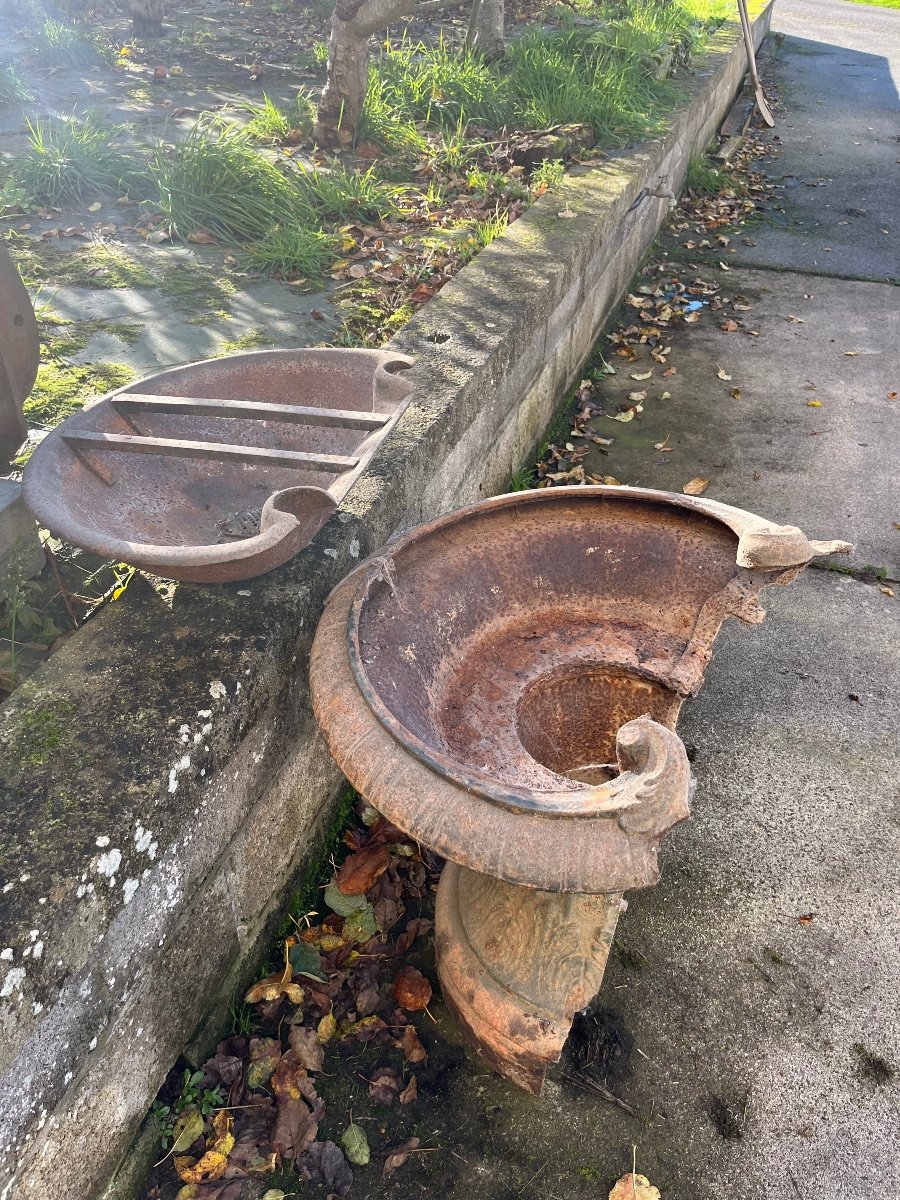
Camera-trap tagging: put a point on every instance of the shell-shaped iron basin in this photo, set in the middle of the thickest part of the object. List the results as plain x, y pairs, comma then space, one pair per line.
220, 470
503, 683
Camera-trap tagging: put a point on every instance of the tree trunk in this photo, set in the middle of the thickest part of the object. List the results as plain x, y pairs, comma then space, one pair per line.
147, 18
345, 89
486, 32
352, 24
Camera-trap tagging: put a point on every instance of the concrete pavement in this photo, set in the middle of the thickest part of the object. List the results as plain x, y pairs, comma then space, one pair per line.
749, 1014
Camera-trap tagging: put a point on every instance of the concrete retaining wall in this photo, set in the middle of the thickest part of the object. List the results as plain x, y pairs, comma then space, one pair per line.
162, 780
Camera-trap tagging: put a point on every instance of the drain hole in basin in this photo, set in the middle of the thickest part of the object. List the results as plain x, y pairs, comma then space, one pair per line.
568, 719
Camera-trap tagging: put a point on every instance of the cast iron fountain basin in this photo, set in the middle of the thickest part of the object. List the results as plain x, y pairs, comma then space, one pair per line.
503, 684
220, 470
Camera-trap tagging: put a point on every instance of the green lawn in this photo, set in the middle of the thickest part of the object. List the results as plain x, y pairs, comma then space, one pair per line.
880, 3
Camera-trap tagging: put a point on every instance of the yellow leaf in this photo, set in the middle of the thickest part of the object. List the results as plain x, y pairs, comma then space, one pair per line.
695, 487
634, 1187
887, 591
624, 416
187, 1128
327, 1028
814, 404
207, 1169
222, 1124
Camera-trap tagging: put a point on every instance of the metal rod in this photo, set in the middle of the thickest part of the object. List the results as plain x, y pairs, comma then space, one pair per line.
176, 448
248, 409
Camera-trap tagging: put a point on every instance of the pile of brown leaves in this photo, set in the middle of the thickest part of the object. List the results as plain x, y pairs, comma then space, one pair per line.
342, 982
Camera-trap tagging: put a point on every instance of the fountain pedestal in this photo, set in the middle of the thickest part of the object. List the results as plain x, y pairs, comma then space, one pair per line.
503, 685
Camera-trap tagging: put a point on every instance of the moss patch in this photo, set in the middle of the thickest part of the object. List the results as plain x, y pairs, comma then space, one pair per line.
77, 335
42, 732
61, 389
94, 266
198, 290
256, 339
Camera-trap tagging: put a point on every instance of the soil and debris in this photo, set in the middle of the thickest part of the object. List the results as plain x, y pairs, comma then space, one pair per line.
328, 1041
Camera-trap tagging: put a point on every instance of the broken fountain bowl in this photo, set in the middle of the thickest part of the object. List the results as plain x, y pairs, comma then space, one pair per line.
221, 470
503, 685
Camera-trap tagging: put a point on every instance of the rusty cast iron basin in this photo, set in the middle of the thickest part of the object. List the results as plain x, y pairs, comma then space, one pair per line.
503, 684
220, 470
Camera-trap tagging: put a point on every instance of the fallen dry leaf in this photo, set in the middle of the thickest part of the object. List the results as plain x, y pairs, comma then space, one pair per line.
637, 397
695, 487
413, 1050
642, 375
275, 985
624, 416
398, 1156
729, 326
411, 989
851, 353
814, 404
722, 373
384, 1086
634, 1187
735, 393
410, 1092
806, 918
887, 590
360, 870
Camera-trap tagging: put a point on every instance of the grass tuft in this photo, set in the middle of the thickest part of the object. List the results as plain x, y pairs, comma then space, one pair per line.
337, 195
69, 158
269, 123
705, 179
65, 44
290, 252
13, 87
215, 181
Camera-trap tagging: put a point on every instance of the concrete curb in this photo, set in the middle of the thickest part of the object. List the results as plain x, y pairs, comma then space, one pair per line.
161, 777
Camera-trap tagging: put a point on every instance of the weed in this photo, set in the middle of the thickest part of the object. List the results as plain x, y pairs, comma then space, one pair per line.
546, 175
14, 198
242, 1018
193, 1097
385, 125
338, 195
290, 252
215, 181
12, 86
522, 480
704, 179
23, 621
65, 44
440, 86
70, 157
269, 123
481, 234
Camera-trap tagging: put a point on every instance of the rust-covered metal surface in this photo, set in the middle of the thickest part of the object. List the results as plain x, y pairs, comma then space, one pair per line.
19, 356
221, 470
503, 684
